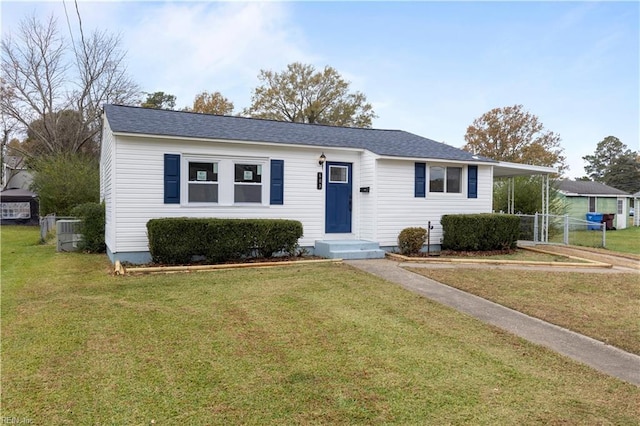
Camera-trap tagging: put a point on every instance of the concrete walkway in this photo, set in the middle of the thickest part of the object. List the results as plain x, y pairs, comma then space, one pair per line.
602, 357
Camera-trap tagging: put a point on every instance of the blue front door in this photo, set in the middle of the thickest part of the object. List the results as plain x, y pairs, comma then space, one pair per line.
338, 201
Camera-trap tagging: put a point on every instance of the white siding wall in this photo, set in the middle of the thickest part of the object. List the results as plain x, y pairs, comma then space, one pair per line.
107, 152
621, 219
139, 174
367, 202
398, 208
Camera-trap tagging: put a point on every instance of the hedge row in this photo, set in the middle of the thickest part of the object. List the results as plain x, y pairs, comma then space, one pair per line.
480, 232
176, 241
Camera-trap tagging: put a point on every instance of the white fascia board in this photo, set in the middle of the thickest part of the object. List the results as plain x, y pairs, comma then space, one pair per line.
433, 160
235, 141
575, 194
507, 169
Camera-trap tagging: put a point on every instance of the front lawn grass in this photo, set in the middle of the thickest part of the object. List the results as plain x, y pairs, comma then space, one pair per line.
603, 306
516, 255
621, 240
321, 344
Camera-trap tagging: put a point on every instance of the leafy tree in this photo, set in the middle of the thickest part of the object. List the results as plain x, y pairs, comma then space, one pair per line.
69, 127
527, 196
211, 103
44, 73
624, 173
159, 100
302, 94
64, 180
609, 151
514, 135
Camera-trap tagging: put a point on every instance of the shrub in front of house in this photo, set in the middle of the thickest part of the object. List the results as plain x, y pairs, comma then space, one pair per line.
480, 232
411, 240
176, 241
92, 226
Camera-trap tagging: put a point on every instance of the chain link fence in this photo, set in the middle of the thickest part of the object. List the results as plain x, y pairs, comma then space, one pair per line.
562, 230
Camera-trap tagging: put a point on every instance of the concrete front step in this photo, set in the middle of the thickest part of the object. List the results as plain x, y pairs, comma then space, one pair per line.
349, 249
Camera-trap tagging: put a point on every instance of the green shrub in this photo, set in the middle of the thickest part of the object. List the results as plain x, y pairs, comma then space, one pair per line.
63, 181
92, 226
177, 240
480, 232
411, 240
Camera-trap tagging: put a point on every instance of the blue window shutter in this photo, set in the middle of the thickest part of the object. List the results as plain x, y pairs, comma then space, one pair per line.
420, 180
277, 182
472, 182
172, 179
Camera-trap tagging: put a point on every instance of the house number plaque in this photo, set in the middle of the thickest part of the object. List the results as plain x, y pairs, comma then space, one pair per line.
319, 180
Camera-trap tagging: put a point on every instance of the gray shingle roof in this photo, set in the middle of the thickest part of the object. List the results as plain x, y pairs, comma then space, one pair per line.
396, 143
588, 188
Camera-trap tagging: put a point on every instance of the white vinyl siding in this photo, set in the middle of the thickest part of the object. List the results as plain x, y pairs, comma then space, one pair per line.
142, 199
107, 191
367, 201
132, 186
399, 209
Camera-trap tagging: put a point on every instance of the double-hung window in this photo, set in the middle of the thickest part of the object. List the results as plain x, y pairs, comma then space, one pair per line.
445, 179
203, 182
247, 183
225, 181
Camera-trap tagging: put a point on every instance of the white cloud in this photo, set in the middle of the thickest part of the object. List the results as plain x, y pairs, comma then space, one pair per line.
184, 48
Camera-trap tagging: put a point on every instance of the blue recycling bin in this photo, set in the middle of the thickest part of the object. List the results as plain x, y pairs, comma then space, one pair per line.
594, 217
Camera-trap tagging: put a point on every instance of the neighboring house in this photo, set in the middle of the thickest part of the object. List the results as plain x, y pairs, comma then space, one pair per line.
582, 197
341, 183
14, 173
636, 211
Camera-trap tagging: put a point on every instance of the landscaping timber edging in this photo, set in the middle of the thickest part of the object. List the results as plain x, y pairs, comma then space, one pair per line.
588, 263
119, 269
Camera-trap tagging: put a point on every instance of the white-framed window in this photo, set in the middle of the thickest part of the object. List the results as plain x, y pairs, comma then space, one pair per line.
338, 174
445, 179
592, 204
247, 186
620, 207
224, 181
16, 210
203, 182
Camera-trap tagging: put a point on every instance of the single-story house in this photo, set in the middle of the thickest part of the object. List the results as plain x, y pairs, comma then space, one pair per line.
19, 207
343, 184
636, 213
582, 197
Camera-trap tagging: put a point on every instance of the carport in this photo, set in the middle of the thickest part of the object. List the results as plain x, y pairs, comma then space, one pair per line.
509, 170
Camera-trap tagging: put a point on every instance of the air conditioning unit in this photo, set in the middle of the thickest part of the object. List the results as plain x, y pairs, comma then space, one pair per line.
68, 234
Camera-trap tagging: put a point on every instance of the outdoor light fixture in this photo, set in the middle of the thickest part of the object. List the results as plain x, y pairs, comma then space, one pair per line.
322, 159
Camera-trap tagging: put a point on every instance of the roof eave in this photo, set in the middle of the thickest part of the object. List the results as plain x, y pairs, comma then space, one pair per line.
507, 169
439, 160
238, 141
580, 194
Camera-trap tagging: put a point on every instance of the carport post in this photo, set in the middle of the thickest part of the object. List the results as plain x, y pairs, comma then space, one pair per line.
545, 207
566, 229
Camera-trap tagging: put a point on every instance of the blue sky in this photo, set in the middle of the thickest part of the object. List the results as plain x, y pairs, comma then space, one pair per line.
430, 68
